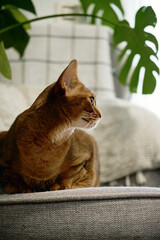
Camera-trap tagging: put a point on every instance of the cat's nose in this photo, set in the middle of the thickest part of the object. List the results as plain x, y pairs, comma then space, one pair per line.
99, 115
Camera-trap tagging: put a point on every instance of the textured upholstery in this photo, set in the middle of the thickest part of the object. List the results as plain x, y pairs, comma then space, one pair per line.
95, 213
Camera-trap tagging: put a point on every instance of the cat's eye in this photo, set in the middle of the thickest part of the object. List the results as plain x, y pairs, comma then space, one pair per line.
91, 99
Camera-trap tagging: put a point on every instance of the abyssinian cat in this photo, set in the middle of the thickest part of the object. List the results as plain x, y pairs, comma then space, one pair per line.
44, 149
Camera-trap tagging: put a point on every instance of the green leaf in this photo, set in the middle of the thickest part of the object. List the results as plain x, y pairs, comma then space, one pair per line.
136, 42
135, 78
5, 68
23, 4
17, 37
145, 17
152, 39
108, 12
18, 16
125, 69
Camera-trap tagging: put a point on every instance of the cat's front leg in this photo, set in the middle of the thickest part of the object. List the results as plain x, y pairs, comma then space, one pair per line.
91, 178
62, 184
12, 182
58, 186
67, 179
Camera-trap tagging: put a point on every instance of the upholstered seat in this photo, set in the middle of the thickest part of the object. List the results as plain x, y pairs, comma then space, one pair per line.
90, 213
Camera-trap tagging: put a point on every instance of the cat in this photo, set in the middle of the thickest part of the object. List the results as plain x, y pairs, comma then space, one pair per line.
45, 148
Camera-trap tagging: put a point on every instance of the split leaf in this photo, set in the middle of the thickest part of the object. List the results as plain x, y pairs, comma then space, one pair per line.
106, 9
136, 43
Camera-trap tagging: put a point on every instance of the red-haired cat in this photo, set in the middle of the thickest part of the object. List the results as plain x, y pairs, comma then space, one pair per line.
44, 149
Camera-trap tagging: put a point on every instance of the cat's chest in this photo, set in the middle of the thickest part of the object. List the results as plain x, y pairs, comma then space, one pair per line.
45, 161
78, 152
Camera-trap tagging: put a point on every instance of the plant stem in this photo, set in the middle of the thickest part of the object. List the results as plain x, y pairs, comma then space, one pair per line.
58, 15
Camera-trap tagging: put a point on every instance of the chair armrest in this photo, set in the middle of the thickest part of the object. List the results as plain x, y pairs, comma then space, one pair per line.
90, 213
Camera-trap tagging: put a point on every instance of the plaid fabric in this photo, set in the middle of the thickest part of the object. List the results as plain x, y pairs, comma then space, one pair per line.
53, 45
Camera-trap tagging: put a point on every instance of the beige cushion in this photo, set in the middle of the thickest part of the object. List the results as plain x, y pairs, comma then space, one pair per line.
14, 99
128, 137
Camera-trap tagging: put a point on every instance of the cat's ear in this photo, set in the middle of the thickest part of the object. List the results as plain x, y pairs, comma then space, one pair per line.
69, 76
68, 80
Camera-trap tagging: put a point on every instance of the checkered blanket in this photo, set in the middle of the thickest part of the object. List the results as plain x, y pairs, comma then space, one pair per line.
53, 45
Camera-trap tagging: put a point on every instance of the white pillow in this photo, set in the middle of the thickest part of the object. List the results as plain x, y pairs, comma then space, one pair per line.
14, 99
128, 137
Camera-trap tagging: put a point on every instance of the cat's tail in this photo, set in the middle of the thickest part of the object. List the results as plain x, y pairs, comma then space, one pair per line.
2, 165
2, 138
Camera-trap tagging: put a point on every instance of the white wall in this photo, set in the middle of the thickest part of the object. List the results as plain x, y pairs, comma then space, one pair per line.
131, 7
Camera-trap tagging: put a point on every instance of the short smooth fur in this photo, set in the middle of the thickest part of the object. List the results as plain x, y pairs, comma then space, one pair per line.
45, 149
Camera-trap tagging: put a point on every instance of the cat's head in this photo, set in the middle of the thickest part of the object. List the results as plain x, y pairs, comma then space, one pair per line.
76, 102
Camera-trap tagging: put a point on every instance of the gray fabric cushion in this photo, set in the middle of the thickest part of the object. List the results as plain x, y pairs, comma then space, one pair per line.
95, 213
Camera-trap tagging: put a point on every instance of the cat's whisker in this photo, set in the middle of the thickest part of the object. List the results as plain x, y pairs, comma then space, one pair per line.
87, 124
87, 117
85, 112
92, 118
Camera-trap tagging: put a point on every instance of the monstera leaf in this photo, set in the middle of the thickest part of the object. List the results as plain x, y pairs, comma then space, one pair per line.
136, 39
104, 7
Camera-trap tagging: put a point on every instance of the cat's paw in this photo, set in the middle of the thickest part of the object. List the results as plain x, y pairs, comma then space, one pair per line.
57, 186
27, 190
12, 189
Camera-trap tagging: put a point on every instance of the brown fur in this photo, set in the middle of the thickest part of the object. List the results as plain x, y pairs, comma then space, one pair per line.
43, 149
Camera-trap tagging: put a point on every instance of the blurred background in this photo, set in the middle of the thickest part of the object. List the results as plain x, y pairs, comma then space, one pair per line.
128, 136
56, 41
